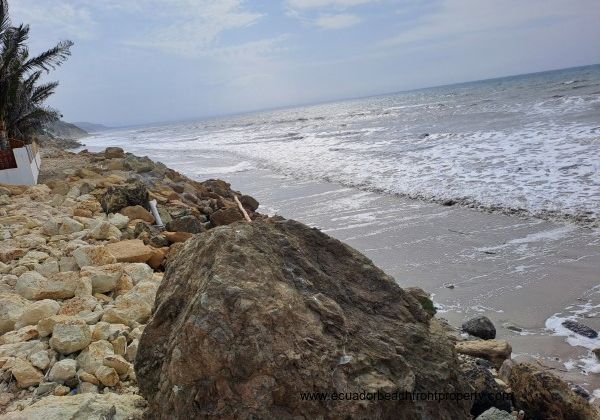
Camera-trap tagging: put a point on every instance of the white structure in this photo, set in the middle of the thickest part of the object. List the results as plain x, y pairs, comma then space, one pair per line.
28, 162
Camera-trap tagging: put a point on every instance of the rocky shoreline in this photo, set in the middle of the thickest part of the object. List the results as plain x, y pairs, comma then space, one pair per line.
105, 314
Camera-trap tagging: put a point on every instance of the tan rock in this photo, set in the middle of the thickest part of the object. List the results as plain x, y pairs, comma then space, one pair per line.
107, 375
23, 349
63, 370
130, 251
61, 390
84, 287
138, 271
118, 363
40, 359
131, 351
82, 212
137, 212
158, 257
36, 311
67, 226
104, 278
70, 336
105, 231
93, 255
134, 306
25, 374
93, 356
119, 345
118, 220
12, 307
88, 402
23, 334
10, 253
45, 326
496, 351
32, 285
78, 304
87, 377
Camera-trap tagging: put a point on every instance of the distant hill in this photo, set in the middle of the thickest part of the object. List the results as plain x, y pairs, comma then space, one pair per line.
91, 127
64, 130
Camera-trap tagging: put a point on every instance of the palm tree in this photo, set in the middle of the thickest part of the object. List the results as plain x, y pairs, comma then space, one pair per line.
22, 112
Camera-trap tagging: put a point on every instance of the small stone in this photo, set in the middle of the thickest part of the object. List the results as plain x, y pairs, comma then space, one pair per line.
101, 331
93, 356
118, 363
68, 226
226, 216
40, 359
107, 375
138, 272
61, 390
138, 212
105, 231
12, 307
87, 388
119, 345
63, 370
23, 334
87, 377
176, 237
118, 220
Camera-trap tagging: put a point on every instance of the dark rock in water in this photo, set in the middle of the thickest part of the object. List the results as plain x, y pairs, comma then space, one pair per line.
542, 395
580, 329
481, 327
424, 136
489, 393
249, 202
581, 391
250, 316
120, 196
448, 202
185, 224
226, 216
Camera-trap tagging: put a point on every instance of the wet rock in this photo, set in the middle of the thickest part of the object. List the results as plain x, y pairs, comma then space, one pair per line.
580, 329
226, 216
130, 251
138, 212
310, 313
496, 351
120, 196
481, 327
543, 395
186, 224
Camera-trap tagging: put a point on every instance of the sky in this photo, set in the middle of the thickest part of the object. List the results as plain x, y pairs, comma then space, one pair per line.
142, 61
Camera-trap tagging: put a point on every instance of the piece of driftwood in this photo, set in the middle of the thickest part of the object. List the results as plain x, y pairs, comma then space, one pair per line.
242, 209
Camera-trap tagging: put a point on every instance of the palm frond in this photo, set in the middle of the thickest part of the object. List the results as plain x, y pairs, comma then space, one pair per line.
50, 59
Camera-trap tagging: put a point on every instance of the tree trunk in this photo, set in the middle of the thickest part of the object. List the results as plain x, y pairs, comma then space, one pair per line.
4, 143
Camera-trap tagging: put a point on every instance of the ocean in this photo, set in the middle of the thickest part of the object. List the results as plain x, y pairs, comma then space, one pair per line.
485, 194
525, 144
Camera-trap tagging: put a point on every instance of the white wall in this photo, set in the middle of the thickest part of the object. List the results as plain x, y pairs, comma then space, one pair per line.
25, 173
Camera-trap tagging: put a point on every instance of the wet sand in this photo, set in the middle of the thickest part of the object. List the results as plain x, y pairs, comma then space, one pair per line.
517, 271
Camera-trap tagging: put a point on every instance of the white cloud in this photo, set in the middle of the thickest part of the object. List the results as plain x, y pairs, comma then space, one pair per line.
339, 21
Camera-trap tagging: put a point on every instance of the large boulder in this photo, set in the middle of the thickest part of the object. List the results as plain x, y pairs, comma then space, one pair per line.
544, 396
132, 251
496, 351
250, 316
32, 285
120, 196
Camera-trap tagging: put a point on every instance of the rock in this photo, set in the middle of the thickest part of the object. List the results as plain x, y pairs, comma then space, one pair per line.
505, 370
495, 414
63, 370
175, 237
489, 392
87, 377
9, 253
105, 231
48, 267
118, 197
131, 251
118, 220
23, 334
67, 264
119, 345
133, 306
23, 349
4, 268
40, 359
248, 315
34, 312
12, 307
104, 278
118, 363
186, 224
114, 152
596, 353
107, 376
83, 406
131, 351
61, 390
158, 257
93, 356
138, 212
496, 351
25, 374
580, 329
248, 202
70, 336
481, 327
542, 395
32, 285
68, 225
226, 216
138, 272
77, 305
101, 331
93, 255
424, 299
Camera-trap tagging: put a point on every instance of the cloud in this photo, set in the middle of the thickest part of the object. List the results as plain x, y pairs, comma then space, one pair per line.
316, 4
339, 21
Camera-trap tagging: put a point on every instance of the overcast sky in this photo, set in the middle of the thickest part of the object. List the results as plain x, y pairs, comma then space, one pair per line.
139, 61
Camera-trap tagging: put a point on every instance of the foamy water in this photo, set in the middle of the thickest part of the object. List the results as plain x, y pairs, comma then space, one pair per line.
522, 144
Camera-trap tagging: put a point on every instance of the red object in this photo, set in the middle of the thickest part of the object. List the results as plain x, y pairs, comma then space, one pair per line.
7, 159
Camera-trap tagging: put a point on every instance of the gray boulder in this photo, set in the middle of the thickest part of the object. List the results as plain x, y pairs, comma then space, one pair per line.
481, 327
